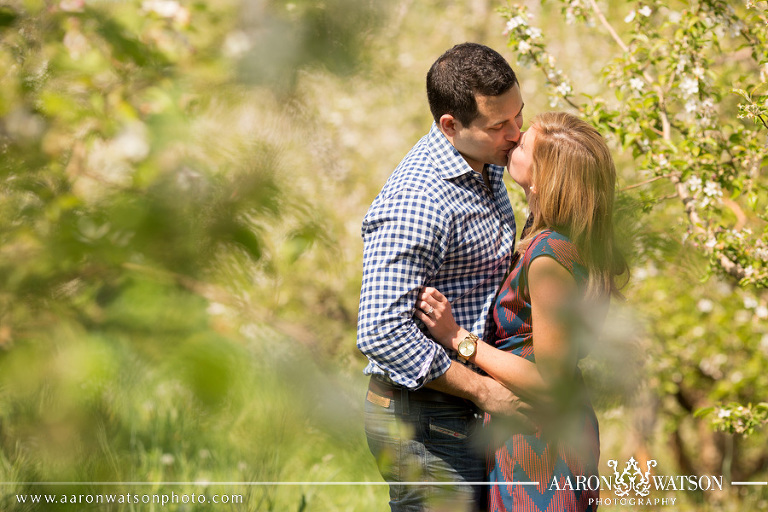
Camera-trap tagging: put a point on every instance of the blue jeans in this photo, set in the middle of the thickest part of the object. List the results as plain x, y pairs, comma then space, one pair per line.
422, 441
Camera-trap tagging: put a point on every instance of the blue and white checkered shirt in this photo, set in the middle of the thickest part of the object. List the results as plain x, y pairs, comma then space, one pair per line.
434, 223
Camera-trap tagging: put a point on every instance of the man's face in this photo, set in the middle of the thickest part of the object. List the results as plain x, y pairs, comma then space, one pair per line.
490, 137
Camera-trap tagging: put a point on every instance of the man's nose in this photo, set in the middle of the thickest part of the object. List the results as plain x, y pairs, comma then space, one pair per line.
513, 133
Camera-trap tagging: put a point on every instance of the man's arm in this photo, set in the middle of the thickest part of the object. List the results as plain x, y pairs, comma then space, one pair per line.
489, 395
404, 238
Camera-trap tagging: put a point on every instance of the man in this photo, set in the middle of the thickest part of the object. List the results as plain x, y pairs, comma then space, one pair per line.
443, 219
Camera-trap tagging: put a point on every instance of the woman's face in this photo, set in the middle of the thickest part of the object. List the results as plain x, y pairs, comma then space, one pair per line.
520, 165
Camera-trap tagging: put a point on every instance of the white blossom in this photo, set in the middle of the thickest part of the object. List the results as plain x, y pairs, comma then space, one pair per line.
523, 46
636, 83
513, 23
682, 63
705, 306
630, 17
645, 11
167, 9
689, 86
693, 183
563, 89
761, 312
712, 189
533, 32
164, 8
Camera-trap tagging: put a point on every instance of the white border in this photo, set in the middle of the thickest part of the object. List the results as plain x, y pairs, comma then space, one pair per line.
204, 484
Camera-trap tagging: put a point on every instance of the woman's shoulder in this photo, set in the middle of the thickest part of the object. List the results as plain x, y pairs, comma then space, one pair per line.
548, 238
556, 245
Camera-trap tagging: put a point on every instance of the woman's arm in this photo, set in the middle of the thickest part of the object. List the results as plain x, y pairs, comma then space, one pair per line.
553, 291
554, 297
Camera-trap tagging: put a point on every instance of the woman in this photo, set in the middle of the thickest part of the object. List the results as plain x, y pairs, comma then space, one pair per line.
565, 271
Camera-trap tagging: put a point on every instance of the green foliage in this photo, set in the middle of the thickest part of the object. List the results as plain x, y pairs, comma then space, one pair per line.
673, 114
683, 101
143, 222
738, 419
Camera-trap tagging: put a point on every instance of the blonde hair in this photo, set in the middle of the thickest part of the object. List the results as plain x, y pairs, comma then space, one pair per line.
575, 177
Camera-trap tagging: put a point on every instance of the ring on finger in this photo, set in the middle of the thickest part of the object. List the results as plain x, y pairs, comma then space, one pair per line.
430, 310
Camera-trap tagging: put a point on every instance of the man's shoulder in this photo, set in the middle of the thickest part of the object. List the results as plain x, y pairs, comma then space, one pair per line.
424, 151
417, 171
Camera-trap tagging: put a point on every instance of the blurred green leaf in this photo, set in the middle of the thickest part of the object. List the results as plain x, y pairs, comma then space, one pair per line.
8, 16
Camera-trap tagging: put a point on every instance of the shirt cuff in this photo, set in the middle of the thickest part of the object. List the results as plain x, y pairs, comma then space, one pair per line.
440, 365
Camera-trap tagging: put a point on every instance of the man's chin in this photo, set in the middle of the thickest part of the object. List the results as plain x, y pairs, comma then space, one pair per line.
501, 162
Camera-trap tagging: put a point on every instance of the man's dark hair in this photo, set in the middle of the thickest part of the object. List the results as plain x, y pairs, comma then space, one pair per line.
460, 73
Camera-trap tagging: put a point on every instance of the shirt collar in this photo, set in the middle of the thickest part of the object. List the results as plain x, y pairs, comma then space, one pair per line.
450, 163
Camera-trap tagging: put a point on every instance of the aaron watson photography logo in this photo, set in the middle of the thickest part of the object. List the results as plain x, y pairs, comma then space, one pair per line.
632, 486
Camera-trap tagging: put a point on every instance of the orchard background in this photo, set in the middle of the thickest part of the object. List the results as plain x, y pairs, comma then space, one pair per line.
181, 191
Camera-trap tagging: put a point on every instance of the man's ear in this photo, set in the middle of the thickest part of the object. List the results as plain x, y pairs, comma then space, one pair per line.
449, 125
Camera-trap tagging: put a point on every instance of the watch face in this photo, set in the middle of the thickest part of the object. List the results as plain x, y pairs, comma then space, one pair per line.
466, 348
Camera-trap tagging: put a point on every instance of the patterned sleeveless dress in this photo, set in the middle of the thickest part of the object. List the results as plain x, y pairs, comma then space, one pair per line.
562, 465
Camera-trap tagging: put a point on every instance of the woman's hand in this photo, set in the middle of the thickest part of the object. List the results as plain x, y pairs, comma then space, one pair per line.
434, 310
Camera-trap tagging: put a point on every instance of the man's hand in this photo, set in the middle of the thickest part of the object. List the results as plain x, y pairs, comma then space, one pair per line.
496, 399
487, 394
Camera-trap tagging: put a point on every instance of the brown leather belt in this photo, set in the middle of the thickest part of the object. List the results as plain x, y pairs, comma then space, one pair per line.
387, 390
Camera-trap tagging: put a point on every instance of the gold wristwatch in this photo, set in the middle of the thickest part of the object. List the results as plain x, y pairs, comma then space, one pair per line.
468, 346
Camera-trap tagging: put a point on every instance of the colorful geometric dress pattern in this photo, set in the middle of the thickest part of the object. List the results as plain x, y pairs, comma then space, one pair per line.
533, 458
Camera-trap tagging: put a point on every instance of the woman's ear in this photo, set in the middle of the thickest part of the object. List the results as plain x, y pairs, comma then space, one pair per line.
533, 188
